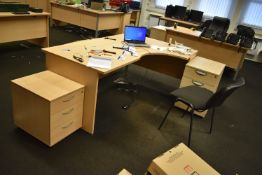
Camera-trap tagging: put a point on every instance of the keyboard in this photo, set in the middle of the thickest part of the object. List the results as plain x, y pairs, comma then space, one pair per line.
138, 44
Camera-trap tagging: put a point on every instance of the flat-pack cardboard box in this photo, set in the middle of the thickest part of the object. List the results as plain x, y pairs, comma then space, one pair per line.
180, 160
124, 172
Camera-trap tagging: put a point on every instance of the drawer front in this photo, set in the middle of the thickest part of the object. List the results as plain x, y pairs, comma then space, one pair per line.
202, 76
189, 82
64, 130
68, 114
67, 101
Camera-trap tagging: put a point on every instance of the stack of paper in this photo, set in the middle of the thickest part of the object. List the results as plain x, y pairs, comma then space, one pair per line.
98, 62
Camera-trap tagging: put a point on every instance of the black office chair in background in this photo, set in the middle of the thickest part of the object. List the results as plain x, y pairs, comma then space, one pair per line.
215, 27
219, 24
200, 99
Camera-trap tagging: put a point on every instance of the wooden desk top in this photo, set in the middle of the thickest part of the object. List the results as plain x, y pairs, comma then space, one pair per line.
84, 9
9, 14
181, 21
196, 34
180, 29
83, 47
155, 14
37, 83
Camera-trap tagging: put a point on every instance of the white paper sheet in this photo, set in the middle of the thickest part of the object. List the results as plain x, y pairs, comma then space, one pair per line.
104, 63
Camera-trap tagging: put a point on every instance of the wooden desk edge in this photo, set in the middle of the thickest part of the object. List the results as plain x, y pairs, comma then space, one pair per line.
181, 21
99, 12
10, 14
108, 71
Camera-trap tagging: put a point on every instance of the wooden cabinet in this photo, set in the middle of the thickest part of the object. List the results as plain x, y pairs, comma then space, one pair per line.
202, 72
47, 106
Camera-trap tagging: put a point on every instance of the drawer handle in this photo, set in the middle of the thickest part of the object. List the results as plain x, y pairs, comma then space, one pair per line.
67, 126
68, 112
196, 83
69, 99
201, 73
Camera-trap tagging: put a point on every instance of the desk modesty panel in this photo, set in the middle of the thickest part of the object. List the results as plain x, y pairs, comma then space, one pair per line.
59, 59
33, 27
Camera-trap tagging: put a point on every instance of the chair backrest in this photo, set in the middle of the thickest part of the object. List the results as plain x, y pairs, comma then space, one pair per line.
220, 96
219, 24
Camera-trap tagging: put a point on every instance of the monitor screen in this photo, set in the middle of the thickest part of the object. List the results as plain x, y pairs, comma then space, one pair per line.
179, 12
195, 16
133, 33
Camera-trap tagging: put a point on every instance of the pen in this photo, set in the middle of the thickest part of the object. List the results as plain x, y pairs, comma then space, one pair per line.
110, 38
78, 58
120, 57
107, 51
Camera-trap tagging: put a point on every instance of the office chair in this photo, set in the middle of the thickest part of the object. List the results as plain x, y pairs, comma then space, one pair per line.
219, 24
200, 99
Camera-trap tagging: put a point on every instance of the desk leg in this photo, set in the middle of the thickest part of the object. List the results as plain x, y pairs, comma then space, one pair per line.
97, 23
236, 74
83, 75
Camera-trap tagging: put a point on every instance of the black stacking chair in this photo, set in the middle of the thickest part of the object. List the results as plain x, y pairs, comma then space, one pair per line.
200, 99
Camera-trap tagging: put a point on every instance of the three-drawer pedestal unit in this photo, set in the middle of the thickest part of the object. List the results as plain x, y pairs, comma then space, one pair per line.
47, 106
202, 72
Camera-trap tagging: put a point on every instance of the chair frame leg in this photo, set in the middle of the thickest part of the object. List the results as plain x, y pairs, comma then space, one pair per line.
185, 111
190, 127
212, 121
164, 119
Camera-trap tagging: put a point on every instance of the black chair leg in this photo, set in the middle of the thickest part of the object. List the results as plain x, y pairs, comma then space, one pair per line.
163, 121
212, 121
190, 127
185, 111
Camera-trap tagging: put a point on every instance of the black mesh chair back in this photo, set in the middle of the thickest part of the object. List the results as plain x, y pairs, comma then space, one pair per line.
220, 96
219, 24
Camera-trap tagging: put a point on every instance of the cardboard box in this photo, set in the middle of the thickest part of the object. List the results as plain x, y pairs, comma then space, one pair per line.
124, 172
180, 160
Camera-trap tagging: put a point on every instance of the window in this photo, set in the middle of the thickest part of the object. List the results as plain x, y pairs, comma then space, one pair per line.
252, 14
212, 8
164, 3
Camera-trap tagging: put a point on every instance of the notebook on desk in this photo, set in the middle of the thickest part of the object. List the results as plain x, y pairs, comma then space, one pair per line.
135, 36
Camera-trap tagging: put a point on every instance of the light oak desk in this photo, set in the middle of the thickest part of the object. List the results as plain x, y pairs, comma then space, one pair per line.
59, 59
42, 4
180, 22
91, 19
33, 27
230, 55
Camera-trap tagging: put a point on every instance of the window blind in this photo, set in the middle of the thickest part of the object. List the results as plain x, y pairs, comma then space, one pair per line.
215, 7
253, 14
164, 3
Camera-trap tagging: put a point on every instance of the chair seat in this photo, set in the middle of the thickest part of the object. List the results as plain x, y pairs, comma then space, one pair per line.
194, 95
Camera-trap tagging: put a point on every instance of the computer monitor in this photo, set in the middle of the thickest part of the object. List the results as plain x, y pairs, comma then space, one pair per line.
179, 12
195, 16
88, 2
